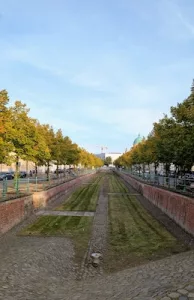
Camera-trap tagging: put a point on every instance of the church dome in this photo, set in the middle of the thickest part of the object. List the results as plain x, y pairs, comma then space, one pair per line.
137, 140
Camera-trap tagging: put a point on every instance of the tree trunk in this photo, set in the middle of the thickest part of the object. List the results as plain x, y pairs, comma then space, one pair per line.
57, 171
143, 170
36, 169
16, 176
48, 170
139, 167
167, 169
17, 167
27, 166
155, 168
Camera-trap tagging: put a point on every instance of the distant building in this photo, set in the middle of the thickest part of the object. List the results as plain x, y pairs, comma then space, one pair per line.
29, 165
23, 166
113, 155
137, 140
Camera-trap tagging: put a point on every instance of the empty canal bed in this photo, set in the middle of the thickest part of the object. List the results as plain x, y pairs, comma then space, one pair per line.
43, 257
105, 215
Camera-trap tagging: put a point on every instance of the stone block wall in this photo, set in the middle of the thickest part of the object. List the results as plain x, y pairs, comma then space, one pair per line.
178, 207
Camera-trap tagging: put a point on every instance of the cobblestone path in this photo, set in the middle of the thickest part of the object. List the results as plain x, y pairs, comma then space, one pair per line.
99, 234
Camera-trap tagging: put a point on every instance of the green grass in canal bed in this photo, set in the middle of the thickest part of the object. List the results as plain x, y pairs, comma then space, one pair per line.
76, 228
84, 198
116, 185
134, 235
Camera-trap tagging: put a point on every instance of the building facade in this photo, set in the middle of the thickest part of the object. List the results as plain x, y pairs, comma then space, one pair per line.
113, 155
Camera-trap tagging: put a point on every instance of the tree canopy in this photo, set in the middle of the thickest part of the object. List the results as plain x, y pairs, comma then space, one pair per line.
170, 141
108, 160
22, 137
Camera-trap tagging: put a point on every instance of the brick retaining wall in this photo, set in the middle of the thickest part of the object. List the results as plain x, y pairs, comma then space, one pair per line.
14, 211
178, 207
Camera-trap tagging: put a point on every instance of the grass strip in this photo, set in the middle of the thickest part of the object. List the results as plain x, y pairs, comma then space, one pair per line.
84, 198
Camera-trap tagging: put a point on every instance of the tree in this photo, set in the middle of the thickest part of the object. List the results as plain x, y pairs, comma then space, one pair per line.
165, 135
183, 115
49, 135
22, 134
71, 152
58, 150
5, 124
84, 158
108, 160
87, 159
152, 153
43, 152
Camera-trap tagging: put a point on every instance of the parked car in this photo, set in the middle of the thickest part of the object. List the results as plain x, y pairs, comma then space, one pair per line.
7, 176
59, 171
22, 174
189, 176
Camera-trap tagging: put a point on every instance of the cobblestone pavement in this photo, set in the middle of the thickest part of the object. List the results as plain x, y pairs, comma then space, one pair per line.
184, 292
65, 213
28, 265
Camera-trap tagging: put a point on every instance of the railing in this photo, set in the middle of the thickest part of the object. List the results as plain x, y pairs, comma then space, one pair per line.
11, 189
179, 184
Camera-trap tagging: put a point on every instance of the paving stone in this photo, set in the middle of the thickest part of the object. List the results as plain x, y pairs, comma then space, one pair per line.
191, 295
183, 292
183, 298
189, 288
174, 295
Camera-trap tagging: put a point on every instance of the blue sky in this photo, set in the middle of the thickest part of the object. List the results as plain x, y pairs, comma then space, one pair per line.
101, 70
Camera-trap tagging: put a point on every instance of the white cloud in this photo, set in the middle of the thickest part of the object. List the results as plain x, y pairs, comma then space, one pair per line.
188, 25
176, 22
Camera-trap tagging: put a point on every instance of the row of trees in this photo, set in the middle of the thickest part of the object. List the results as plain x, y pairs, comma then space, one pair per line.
22, 137
171, 141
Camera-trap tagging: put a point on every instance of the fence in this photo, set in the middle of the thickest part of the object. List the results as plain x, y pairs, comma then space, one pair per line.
179, 184
10, 189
